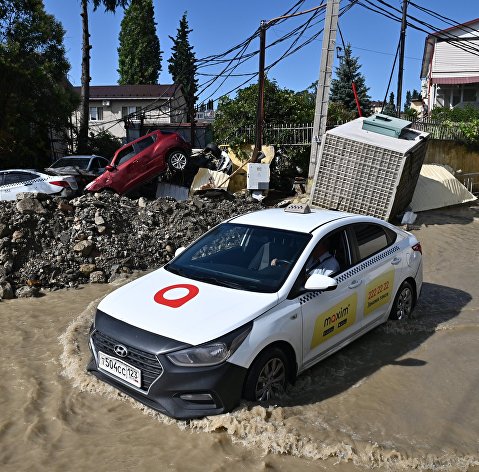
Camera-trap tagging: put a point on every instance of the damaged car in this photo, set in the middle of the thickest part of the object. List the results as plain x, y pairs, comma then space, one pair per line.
141, 160
85, 168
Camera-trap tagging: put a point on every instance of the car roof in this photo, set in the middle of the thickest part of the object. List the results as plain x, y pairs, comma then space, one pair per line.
302, 222
21, 170
81, 156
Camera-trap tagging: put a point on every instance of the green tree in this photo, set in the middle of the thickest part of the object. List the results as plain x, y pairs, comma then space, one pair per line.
280, 105
407, 103
390, 107
35, 97
414, 95
104, 144
139, 54
110, 6
182, 67
341, 87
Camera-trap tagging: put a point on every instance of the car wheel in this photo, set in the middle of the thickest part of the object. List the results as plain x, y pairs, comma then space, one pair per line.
177, 160
403, 303
267, 376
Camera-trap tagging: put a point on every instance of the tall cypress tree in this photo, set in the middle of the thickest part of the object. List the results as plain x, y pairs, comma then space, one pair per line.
182, 67
341, 87
139, 54
390, 107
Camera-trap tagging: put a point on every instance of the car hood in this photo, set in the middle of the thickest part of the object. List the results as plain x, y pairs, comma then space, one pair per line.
183, 309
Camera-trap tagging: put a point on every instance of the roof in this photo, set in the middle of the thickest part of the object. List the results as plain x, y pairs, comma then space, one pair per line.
432, 38
102, 92
280, 219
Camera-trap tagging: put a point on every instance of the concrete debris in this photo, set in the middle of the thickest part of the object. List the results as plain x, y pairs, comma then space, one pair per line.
53, 243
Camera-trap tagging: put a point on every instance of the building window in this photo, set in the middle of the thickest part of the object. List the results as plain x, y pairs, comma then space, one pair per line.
132, 112
96, 113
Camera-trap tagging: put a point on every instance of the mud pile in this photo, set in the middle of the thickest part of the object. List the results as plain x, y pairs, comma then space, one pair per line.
52, 243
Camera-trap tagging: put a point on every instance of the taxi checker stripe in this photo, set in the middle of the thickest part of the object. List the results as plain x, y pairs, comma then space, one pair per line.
353, 271
33, 181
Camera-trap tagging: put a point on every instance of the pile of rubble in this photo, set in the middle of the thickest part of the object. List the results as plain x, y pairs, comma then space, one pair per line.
51, 243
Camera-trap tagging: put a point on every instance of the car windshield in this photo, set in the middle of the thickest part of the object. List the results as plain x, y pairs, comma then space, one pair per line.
80, 162
243, 257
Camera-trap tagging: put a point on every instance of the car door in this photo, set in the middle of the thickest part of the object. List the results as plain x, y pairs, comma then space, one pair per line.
145, 159
377, 262
127, 170
330, 317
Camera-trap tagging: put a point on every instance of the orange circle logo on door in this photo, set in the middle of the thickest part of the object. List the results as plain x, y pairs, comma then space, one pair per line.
176, 301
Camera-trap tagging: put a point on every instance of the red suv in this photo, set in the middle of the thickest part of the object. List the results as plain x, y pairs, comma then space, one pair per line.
141, 160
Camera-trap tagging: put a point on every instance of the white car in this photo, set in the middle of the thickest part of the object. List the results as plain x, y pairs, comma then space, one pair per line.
239, 313
15, 181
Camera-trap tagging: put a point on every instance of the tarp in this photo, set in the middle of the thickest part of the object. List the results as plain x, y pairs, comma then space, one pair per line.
437, 188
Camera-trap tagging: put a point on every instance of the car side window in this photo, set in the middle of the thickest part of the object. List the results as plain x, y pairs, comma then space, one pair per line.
371, 239
143, 144
94, 164
125, 155
331, 255
18, 177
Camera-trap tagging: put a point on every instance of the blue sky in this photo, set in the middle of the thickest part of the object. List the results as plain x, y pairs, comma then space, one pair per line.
220, 24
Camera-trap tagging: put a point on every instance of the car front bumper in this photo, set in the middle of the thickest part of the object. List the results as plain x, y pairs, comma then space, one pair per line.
179, 392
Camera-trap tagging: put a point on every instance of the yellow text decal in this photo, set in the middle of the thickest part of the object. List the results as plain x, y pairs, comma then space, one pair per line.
378, 292
335, 320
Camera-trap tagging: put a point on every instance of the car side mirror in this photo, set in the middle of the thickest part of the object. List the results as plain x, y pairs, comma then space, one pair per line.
320, 282
179, 251
109, 167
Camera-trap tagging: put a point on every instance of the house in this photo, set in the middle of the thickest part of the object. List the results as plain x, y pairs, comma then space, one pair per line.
450, 67
376, 106
129, 111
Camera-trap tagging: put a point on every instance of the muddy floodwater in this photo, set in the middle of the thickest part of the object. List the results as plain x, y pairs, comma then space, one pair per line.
404, 396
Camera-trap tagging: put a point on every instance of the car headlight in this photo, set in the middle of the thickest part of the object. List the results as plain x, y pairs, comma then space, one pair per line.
212, 353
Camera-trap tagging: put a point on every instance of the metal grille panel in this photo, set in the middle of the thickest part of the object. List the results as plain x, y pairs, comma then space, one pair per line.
148, 363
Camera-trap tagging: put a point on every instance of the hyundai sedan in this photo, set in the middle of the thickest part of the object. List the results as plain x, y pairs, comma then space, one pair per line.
252, 304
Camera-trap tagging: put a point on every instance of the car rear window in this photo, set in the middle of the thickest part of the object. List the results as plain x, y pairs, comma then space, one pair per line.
372, 238
81, 163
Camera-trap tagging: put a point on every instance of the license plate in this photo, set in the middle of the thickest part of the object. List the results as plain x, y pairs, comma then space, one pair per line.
120, 369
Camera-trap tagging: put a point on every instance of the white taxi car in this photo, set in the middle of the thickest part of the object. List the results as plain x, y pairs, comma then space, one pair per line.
15, 181
246, 308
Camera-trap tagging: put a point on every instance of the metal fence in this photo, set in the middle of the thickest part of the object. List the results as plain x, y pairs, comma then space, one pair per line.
440, 130
470, 181
288, 134
285, 134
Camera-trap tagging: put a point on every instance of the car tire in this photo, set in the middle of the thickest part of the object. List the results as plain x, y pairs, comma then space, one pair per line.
267, 376
177, 160
403, 303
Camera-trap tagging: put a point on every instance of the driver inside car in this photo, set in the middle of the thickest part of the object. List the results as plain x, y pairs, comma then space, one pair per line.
321, 261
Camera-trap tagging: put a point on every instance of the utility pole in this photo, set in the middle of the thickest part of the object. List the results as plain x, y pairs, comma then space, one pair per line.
262, 51
402, 47
324, 81
260, 109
